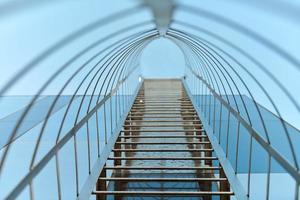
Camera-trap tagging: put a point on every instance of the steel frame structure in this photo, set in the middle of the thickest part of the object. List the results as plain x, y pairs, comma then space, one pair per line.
113, 81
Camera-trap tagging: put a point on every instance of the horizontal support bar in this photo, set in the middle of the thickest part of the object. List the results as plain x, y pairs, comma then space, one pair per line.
163, 112
163, 150
162, 96
160, 168
164, 99
163, 131
164, 125
166, 121
162, 117
168, 193
165, 136
162, 143
161, 106
169, 131
166, 103
151, 179
162, 158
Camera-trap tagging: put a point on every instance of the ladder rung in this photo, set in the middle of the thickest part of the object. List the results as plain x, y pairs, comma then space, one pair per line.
163, 150
163, 100
175, 103
159, 168
146, 106
150, 179
169, 131
161, 117
162, 109
162, 143
165, 136
167, 193
162, 158
164, 125
162, 95
158, 121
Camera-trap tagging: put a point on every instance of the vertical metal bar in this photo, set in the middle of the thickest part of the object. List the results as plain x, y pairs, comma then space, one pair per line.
268, 177
209, 110
249, 167
120, 103
237, 147
88, 146
76, 165
227, 133
105, 120
116, 110
31, 192
220, 124
111, 118
297, 191
214, 117
202, 96
123, 93
205, 107
98, 134
58, 176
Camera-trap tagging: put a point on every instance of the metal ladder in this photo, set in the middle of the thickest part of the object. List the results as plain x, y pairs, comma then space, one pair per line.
162, 151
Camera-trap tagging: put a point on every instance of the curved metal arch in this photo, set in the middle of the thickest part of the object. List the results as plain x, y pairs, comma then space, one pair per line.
205, 70
106, 64
267, 95
118, 45
203, 64
38, 167
248, 56
206, 67
201, 59
93, 45
66, 40
227, 136
122, 51
281, 160
51, 79
193, 37
242, 29
213, 60
41, 133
